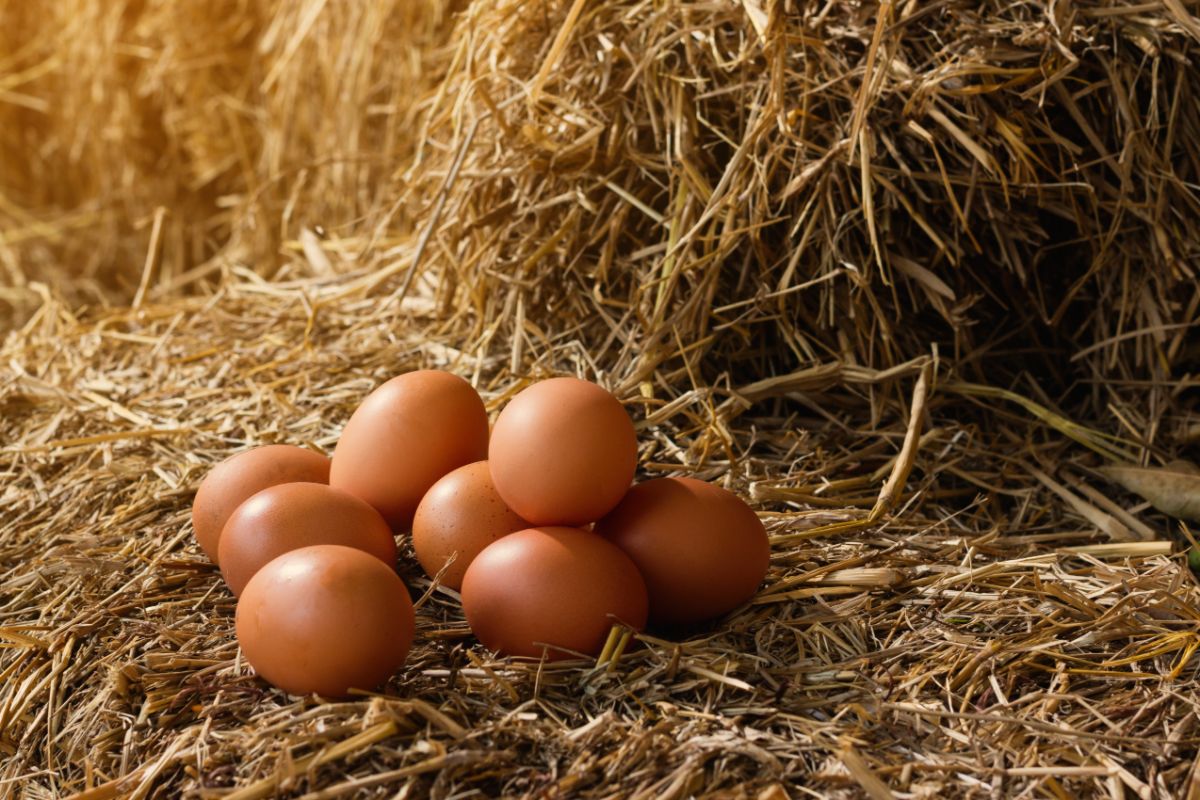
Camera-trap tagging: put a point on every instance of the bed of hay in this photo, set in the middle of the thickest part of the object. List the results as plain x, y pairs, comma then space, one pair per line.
906, 275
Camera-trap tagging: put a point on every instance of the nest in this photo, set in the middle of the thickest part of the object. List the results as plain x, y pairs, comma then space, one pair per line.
906, 276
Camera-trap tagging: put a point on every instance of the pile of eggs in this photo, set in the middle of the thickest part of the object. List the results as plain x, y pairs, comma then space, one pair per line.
535, 523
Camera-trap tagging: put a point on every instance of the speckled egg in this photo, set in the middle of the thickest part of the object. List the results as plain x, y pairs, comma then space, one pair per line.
458, 517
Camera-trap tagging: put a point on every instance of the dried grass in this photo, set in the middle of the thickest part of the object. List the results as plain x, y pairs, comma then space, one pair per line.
766, 226
241, 122
835, 183
976, 642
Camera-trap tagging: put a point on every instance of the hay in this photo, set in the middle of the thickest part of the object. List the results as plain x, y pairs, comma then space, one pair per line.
243, 123
966, 644
765, 226
781, 185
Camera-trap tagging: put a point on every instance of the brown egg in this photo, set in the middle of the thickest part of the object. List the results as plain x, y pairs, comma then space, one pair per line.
409, 432
560, 587
325, 619
702, 551
294, 515
234, 480
563, 452
459, 516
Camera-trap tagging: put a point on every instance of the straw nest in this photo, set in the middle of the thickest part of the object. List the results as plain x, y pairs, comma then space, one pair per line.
907, 276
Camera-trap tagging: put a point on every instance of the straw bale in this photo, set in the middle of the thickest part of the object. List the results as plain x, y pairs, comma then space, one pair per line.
784, 184
241, 121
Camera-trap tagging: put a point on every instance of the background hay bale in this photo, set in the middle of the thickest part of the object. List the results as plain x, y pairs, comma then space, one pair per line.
242, 121
782, 185
754, 221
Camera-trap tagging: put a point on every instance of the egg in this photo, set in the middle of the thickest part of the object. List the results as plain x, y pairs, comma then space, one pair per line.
563, 452
702, 551
324, 620
235, 479
409, 432
459, 516
551, 590
294, 515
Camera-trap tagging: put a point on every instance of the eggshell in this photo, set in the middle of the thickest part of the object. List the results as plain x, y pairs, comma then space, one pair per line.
409, 432
325, 619
563, 452
294, 515
561, 587
702, 551
459, 516
234, 480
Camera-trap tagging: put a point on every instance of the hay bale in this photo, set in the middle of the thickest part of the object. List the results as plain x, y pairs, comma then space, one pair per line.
242, 122
782, 185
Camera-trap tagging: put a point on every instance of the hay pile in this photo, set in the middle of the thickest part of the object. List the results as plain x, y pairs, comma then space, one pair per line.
207, 132
786, 185
904, 274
